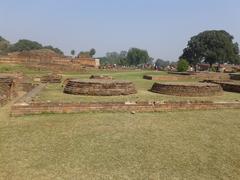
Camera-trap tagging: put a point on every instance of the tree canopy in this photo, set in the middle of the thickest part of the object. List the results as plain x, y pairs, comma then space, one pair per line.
87, 54
133, 57
161, 63
4, 45
211, 47
24, 45
137, 56
56, 50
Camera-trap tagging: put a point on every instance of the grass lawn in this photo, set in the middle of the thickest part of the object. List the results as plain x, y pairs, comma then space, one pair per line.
166, 145
54, 92
171, 145
14, 68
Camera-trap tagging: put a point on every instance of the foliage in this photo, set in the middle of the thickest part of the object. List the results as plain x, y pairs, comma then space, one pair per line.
92, 52
112, 58
73, 52
182, 65
4, 45
137, 56
25, 45
211, 47
161, 63
87, 54
56, 50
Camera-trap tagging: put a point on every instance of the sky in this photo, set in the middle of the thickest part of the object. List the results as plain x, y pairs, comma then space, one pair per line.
163, 27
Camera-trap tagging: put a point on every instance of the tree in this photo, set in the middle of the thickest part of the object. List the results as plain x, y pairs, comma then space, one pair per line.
161, 63
72, 52
182, 65
92, 52
56, 50
137, 56
211, 47
25, 45
4, 45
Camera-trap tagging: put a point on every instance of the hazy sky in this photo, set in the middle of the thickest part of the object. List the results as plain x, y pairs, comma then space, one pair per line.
162, 27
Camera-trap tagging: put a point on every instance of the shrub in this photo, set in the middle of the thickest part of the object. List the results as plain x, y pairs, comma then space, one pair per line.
182, 65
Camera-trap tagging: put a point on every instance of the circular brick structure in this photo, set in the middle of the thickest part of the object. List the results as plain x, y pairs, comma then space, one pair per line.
187, 89
95, 87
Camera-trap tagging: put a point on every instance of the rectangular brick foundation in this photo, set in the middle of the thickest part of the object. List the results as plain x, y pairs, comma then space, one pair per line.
38, 108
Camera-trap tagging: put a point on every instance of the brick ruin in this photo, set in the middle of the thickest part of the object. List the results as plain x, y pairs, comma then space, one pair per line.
235, 76
104, 77
20, 109
7, 89
174, 76
99, 87
229, 86
47, 59
51, 78
187, 89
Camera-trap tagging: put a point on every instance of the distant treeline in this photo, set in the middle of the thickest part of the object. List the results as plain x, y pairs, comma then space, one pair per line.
24, 45
215, 46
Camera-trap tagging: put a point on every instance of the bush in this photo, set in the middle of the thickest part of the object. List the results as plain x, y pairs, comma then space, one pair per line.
182, 65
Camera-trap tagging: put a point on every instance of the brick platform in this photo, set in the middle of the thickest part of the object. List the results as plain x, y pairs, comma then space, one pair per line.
187, 89
99, 87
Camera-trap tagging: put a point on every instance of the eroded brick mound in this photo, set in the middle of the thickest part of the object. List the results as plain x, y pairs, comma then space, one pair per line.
187, 89
52, 78
235, 76
95, 87
104, 77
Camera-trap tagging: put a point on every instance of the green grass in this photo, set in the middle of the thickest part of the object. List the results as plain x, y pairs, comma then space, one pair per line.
172, 145
54, 92
16, 68
167, 145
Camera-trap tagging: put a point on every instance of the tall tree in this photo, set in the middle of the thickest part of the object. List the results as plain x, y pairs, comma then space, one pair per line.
211, 47
4, 45
92, 52
137, 56
161, 63
73, 52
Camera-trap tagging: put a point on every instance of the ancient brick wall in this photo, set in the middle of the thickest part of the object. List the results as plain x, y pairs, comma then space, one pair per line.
38, 108
235, 76
52, 63
230, 86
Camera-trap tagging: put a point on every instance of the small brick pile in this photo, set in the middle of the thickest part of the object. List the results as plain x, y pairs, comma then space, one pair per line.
104, 77
52, 78
95, 87
187, 89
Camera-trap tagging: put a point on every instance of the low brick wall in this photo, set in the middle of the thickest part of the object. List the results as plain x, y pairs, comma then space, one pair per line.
235, 76
187, 89
39, 108
229, 86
